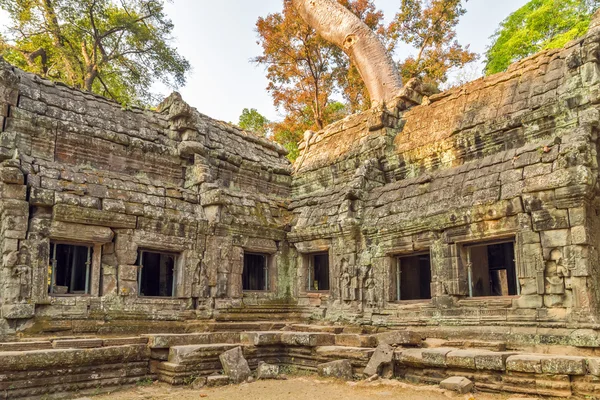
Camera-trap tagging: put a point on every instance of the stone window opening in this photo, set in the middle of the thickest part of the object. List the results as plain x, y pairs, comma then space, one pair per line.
411, 277
491, 269
318, 272
156, 274
255, 275
70, 269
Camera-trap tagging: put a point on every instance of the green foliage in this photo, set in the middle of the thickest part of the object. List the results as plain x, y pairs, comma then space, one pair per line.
429, 26
114, 48
253, 121
538, 25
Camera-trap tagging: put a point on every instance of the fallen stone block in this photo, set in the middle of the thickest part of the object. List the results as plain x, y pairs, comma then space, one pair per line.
457, 384
340, 369
217, 380
235, 365
199, 382
383, 355
267, 371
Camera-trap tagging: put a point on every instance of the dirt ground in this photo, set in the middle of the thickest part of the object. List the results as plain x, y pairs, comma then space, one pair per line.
298, 388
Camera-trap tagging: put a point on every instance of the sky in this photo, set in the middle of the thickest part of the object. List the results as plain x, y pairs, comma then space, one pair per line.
218, 37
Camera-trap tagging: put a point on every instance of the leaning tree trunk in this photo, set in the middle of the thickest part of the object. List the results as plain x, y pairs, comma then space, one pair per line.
338, 25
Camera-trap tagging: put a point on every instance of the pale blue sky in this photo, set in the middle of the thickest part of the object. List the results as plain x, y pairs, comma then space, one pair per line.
218, 37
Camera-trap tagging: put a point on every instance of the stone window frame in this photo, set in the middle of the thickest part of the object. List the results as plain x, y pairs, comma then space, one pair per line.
271, 268
95, 267
177, 271
305, 260
464, 255
392, 262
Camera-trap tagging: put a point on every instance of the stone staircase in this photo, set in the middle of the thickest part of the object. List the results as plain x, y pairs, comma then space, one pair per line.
57, 367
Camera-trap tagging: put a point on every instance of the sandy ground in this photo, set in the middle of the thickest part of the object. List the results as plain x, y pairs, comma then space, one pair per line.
298, 388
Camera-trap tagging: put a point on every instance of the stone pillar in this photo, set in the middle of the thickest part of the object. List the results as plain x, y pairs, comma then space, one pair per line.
15, 272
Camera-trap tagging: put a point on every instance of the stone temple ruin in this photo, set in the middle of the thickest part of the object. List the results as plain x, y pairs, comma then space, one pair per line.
462, 228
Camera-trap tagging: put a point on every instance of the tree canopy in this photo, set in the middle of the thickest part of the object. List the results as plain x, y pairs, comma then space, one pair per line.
253, 121
538, 25
114, 48
430, 27
313, 83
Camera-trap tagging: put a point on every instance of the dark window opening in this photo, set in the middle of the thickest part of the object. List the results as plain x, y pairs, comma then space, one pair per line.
70, 269
255, 275
318, 271
492, 270
156, 274
413, 277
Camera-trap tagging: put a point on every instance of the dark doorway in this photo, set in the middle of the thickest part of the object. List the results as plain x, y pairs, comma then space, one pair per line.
156, 274
255, 275
318, 271
70, 269
493, 270
413, 273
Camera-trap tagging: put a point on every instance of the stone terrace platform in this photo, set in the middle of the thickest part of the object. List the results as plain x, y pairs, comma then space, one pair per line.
64, 367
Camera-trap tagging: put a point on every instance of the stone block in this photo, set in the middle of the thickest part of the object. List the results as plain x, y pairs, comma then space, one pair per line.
89, 216
396, 338
383, 355
339, 369
436, 357
261, 338
12, 175
18, 311
495, 361
544, 220
593, 366
217, 380
528, 301
410, 357
463, 358
77, 343
267, 371
555, 238
457, 384
85, 233
128, 273
529, 363
308, 339
564, 365
235, 365
355, 340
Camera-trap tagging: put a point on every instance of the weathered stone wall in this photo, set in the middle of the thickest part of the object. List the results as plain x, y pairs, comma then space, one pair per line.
512, 156
78, 168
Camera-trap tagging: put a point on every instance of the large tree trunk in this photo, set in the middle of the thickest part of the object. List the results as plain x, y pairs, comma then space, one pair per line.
341, 27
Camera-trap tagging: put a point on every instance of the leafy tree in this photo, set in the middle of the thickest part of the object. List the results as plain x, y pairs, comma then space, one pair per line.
253, 121
305, 71
114, 48
538, 25
430, 27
